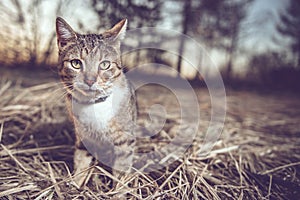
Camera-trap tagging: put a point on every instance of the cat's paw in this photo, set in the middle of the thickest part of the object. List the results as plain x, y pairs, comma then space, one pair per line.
82, 162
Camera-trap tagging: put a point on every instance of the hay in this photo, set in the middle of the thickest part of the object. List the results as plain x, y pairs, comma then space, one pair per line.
257, 156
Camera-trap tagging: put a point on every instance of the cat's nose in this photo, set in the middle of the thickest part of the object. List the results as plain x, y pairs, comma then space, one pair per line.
90, 81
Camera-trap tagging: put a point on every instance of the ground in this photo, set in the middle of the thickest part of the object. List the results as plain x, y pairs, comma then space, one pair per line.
256, 157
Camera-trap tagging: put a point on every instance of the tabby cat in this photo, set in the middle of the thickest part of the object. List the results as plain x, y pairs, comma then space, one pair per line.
99, 98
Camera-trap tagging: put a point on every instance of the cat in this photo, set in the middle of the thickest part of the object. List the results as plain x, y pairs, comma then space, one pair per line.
100, 100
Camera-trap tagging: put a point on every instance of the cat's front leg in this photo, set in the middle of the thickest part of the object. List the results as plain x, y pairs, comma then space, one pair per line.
82, 161
123, 159
122, 166
124, 145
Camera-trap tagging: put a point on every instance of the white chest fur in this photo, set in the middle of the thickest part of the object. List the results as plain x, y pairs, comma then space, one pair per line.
97, 116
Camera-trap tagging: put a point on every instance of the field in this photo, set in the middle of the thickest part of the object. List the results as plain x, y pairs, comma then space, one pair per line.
256, 157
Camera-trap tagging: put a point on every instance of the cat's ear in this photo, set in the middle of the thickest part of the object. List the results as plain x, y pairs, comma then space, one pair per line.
64, 32
117, 32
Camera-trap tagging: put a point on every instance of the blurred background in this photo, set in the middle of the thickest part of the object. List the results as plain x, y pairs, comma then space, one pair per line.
253, 42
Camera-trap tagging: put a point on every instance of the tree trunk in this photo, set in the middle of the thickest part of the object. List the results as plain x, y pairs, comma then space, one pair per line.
185, 22
232, 49
298, 54
229, 68
229, 64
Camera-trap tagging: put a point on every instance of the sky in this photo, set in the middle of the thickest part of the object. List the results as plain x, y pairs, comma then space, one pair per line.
264, 14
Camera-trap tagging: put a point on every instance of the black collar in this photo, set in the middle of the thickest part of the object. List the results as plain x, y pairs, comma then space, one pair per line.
99, 100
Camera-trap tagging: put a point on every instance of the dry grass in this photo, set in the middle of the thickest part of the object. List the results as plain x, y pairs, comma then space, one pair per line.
257, 157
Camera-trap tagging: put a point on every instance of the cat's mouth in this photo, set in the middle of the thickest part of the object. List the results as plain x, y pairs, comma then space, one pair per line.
88, 92
89, 95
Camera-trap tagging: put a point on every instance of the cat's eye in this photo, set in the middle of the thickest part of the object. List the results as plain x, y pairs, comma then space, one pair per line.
104, 65
76, 63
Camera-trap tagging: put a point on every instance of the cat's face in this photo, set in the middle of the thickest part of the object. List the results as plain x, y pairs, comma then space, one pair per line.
89, 65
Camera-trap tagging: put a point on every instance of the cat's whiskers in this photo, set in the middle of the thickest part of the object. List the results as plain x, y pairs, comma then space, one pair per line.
61, 87
60, 93
81, 91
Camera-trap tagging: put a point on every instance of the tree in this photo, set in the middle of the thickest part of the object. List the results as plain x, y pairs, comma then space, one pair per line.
228, 27
289, 26
23, 41
261, 65
217, 23
194, 15
185, 21
139, 13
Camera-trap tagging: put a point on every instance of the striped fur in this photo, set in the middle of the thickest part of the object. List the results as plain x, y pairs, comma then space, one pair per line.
101, 102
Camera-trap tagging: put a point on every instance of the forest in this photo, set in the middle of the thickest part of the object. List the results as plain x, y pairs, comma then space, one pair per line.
262, 50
